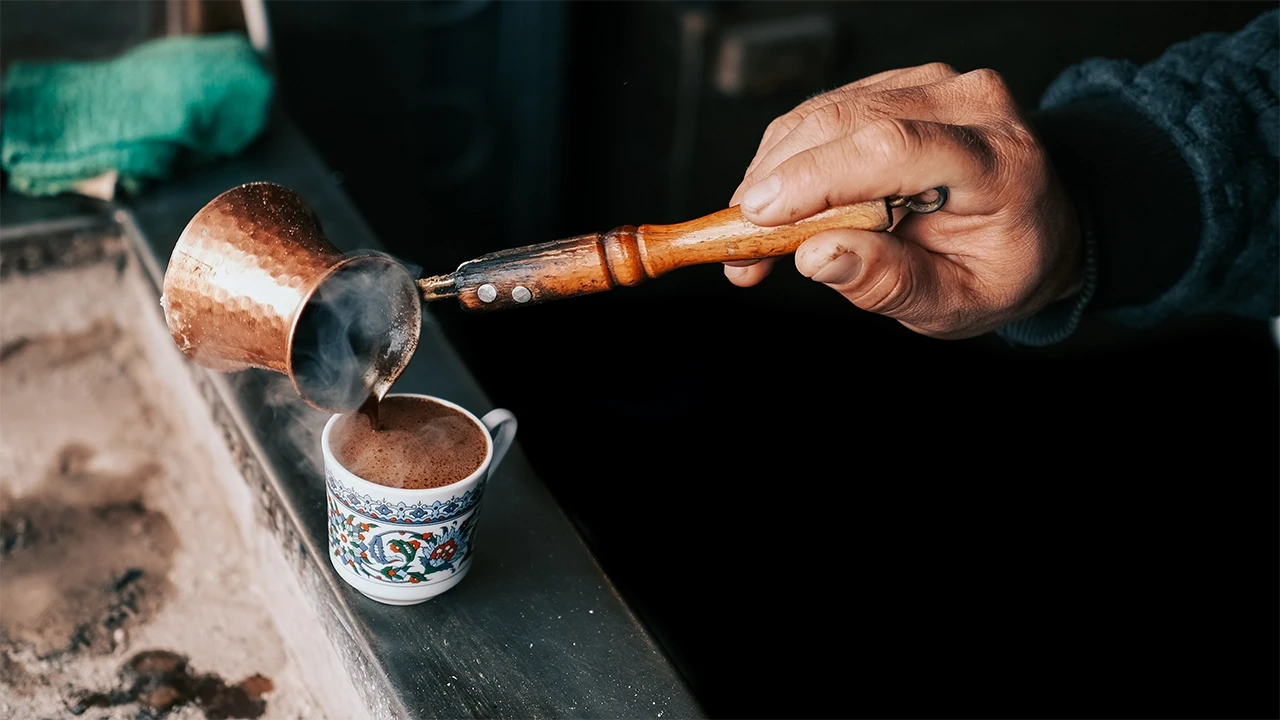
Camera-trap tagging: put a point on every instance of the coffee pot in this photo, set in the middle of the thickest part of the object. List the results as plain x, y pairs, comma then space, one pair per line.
254, 283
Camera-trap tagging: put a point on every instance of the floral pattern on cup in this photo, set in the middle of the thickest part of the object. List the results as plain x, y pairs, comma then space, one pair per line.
398, 556
399, 513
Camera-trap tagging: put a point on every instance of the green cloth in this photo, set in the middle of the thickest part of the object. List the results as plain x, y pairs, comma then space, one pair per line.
165, 103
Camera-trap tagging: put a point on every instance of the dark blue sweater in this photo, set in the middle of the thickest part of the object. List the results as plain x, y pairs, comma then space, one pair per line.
1174, 168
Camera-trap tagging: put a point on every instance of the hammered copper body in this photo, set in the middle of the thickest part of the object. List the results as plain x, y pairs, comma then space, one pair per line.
241, 275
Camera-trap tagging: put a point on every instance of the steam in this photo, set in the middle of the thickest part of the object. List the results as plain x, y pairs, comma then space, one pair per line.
291, 426
441, 433
343, 344
351, 333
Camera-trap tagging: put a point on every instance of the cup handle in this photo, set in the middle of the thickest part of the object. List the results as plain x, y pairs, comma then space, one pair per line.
502, 427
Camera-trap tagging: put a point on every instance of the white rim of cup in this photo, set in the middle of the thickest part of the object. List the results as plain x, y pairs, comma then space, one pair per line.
331, 461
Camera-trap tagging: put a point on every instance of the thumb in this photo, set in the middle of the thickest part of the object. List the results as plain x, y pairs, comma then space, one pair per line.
876, 271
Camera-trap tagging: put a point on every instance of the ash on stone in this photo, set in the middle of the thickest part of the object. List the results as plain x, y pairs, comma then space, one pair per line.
160, 681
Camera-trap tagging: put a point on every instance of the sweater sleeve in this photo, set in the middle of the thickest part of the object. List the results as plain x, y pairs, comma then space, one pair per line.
1173, 169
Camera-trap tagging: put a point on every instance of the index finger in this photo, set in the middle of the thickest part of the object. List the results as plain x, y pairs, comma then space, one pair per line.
879, 82
888, 157
938, 102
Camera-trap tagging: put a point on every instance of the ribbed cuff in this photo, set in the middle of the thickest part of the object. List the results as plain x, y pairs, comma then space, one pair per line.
1057, 321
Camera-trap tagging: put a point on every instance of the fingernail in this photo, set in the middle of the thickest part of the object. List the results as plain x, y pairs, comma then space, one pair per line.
840, 270
732, 271
762, 193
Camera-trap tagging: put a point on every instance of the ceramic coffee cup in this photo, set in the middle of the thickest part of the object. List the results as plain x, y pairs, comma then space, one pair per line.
403, 547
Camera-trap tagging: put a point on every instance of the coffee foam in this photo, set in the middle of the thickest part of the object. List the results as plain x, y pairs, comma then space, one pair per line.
422, 444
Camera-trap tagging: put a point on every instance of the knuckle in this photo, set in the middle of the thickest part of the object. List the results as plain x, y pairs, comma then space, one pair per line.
990, 81
891, 137
783, 124
829, 120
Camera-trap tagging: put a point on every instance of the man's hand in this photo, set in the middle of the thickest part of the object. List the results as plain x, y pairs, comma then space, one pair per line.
1006, 244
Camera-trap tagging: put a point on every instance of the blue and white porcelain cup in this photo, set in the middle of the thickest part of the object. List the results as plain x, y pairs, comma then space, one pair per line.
403, 547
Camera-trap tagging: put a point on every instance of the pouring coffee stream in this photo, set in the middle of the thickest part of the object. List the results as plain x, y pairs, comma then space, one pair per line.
253, 282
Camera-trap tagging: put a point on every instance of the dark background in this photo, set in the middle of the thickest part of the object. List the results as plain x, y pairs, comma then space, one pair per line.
819, 513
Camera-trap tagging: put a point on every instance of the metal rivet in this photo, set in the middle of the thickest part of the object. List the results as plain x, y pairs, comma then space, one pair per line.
487, 293
521, 294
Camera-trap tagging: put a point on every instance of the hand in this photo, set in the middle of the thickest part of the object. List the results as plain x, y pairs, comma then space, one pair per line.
1006, 244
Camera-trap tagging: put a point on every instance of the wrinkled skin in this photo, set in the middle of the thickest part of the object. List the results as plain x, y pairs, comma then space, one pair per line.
1006, 244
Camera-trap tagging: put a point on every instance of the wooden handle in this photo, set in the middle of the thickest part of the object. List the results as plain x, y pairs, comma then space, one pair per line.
628, 255
726, 235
